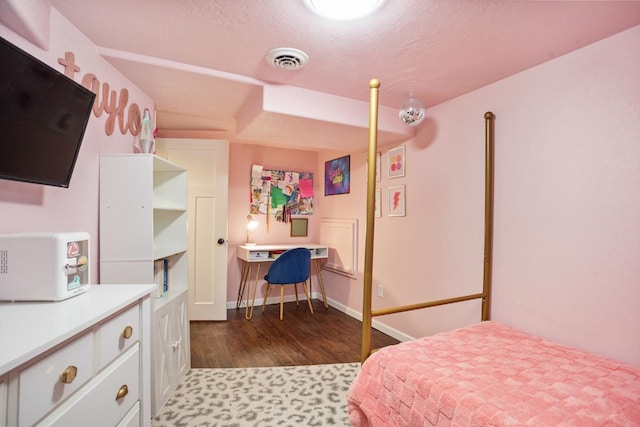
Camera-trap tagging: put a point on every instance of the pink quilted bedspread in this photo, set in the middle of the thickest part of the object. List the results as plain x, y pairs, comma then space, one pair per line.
492, 375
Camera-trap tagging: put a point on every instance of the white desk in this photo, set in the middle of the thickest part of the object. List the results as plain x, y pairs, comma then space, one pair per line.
251, 255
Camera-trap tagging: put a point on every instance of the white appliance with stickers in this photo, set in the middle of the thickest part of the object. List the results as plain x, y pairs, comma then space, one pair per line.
43, 266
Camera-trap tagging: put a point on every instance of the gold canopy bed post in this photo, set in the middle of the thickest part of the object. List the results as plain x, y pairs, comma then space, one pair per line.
374, 88
488, 214
367, 312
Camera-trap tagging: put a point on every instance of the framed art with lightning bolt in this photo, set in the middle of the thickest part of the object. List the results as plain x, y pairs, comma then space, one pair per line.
397, 200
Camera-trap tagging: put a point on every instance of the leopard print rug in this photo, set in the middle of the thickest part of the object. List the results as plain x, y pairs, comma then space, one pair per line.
314, 395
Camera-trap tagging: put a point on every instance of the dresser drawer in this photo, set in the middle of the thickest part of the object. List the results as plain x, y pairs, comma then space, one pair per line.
132, 419
97, 404
41, 384
118, 334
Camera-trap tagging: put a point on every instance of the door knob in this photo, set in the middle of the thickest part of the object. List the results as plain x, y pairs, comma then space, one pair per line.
220, 241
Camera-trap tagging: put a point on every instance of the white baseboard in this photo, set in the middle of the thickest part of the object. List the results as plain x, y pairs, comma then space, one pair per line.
400, 336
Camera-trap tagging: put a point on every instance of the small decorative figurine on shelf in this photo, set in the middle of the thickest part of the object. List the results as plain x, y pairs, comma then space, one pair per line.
146, 133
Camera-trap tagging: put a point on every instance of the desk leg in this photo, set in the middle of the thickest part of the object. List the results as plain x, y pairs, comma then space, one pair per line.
316, 262
244, 275
310, 277
249, 310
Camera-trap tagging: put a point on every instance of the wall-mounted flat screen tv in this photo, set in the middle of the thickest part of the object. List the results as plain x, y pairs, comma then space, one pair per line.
43, 116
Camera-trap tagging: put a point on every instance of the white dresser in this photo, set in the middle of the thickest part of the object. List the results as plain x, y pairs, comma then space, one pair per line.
83, 361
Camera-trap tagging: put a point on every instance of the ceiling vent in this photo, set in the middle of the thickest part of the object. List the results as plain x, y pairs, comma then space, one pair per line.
286, 58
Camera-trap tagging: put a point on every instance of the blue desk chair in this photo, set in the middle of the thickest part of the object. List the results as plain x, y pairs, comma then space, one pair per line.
290, 268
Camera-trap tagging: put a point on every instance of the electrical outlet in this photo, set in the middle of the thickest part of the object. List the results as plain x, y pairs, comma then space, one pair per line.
380, 291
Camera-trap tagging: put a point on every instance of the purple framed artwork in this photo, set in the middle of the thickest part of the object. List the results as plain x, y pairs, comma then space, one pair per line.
337, 178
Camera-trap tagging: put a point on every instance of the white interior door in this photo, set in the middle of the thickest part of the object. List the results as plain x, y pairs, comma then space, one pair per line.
207, 163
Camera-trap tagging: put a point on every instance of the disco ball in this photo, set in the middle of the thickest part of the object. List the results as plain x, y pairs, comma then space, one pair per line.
412, 112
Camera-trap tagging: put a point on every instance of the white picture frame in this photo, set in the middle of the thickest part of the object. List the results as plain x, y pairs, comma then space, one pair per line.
397, 162
397, 200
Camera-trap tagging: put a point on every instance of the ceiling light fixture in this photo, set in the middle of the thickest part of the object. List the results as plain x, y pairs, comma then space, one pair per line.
412, 111
343, 10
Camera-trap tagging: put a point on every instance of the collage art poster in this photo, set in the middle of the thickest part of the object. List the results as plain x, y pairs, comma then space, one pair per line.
281, 193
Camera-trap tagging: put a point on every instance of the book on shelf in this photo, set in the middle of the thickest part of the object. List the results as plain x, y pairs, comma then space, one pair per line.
165, 276
161, 276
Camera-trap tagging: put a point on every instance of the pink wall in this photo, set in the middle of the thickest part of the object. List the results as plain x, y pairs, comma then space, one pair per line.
35, 208
241, 159
568, 198
567, 206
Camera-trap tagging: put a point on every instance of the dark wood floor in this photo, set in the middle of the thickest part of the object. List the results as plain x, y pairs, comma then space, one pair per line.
327, 336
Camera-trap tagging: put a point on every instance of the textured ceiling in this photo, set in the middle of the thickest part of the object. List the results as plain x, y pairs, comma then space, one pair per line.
203, 61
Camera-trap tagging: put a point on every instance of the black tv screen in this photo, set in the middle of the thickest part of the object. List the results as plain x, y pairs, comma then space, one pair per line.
43, 116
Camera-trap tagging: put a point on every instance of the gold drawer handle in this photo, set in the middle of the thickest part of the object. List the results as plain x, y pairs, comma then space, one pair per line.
128, 332
69, 374
124, 390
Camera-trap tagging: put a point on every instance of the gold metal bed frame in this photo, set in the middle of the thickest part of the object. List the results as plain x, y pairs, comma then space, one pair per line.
367, 312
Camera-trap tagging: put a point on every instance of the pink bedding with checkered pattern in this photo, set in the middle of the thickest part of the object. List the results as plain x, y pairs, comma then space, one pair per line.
489, 374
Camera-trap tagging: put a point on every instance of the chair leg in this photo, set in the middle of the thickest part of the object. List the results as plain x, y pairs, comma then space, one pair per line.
264, 302
295, 286
281, 300
306, 292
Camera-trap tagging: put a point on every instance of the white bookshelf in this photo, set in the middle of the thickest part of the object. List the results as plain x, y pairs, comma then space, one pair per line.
143, 219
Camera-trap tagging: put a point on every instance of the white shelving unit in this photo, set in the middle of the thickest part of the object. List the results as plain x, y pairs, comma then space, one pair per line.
143, 219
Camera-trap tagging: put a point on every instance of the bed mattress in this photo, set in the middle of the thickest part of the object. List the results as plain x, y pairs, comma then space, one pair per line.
490, 374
